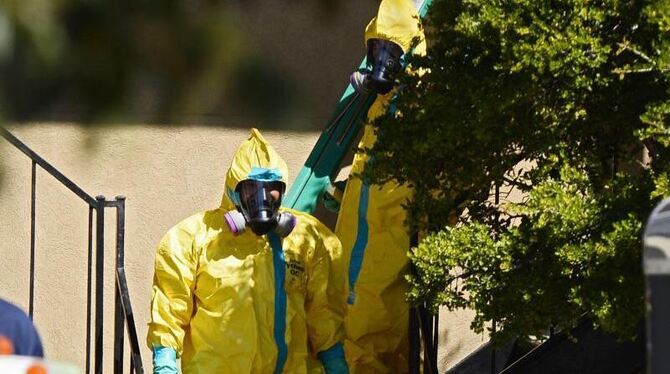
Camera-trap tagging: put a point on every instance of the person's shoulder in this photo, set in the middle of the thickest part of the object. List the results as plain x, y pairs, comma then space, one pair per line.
13, 318
200, 221
11, 311
195, 229
16, 326
306, 219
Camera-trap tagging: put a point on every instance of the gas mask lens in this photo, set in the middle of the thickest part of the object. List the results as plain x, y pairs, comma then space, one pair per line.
383, 64
384, 58
259, 202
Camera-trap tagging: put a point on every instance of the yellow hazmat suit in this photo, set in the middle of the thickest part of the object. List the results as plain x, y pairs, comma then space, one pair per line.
374, 238
220, 302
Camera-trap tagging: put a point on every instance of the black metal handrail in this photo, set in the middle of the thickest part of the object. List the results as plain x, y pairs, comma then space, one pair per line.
123, 313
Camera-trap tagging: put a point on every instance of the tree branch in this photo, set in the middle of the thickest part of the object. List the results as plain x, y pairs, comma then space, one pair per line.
626, 47
515, 182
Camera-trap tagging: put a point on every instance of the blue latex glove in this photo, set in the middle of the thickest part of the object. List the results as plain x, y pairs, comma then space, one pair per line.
165, 360
333, 360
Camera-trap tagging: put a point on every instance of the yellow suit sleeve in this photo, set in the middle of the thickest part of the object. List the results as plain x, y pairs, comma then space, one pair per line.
172, 292
326, 293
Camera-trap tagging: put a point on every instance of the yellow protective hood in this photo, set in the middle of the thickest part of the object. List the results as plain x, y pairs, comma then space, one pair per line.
397, 21
253, 152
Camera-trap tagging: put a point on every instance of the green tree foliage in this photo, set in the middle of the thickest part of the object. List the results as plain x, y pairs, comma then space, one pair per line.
564, 101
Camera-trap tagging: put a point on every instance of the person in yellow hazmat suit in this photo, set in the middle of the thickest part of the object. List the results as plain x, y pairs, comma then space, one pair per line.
249, 287
371, 220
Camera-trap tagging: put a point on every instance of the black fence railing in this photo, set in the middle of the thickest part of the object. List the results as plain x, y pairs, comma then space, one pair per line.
123, 314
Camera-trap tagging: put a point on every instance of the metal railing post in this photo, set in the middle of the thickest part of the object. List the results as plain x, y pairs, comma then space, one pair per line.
118, 311
89, 289
123, 310
33, 181
414, 359
429, 350
136, 357
99, 280
436, 338
493, 349
493, 323
414, 336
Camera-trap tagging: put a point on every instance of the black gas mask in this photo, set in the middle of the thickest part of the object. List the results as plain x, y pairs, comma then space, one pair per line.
257, 206
383, 65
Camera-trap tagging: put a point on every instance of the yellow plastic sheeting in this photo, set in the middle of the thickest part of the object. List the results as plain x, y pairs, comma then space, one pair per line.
374, 238
214, 294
